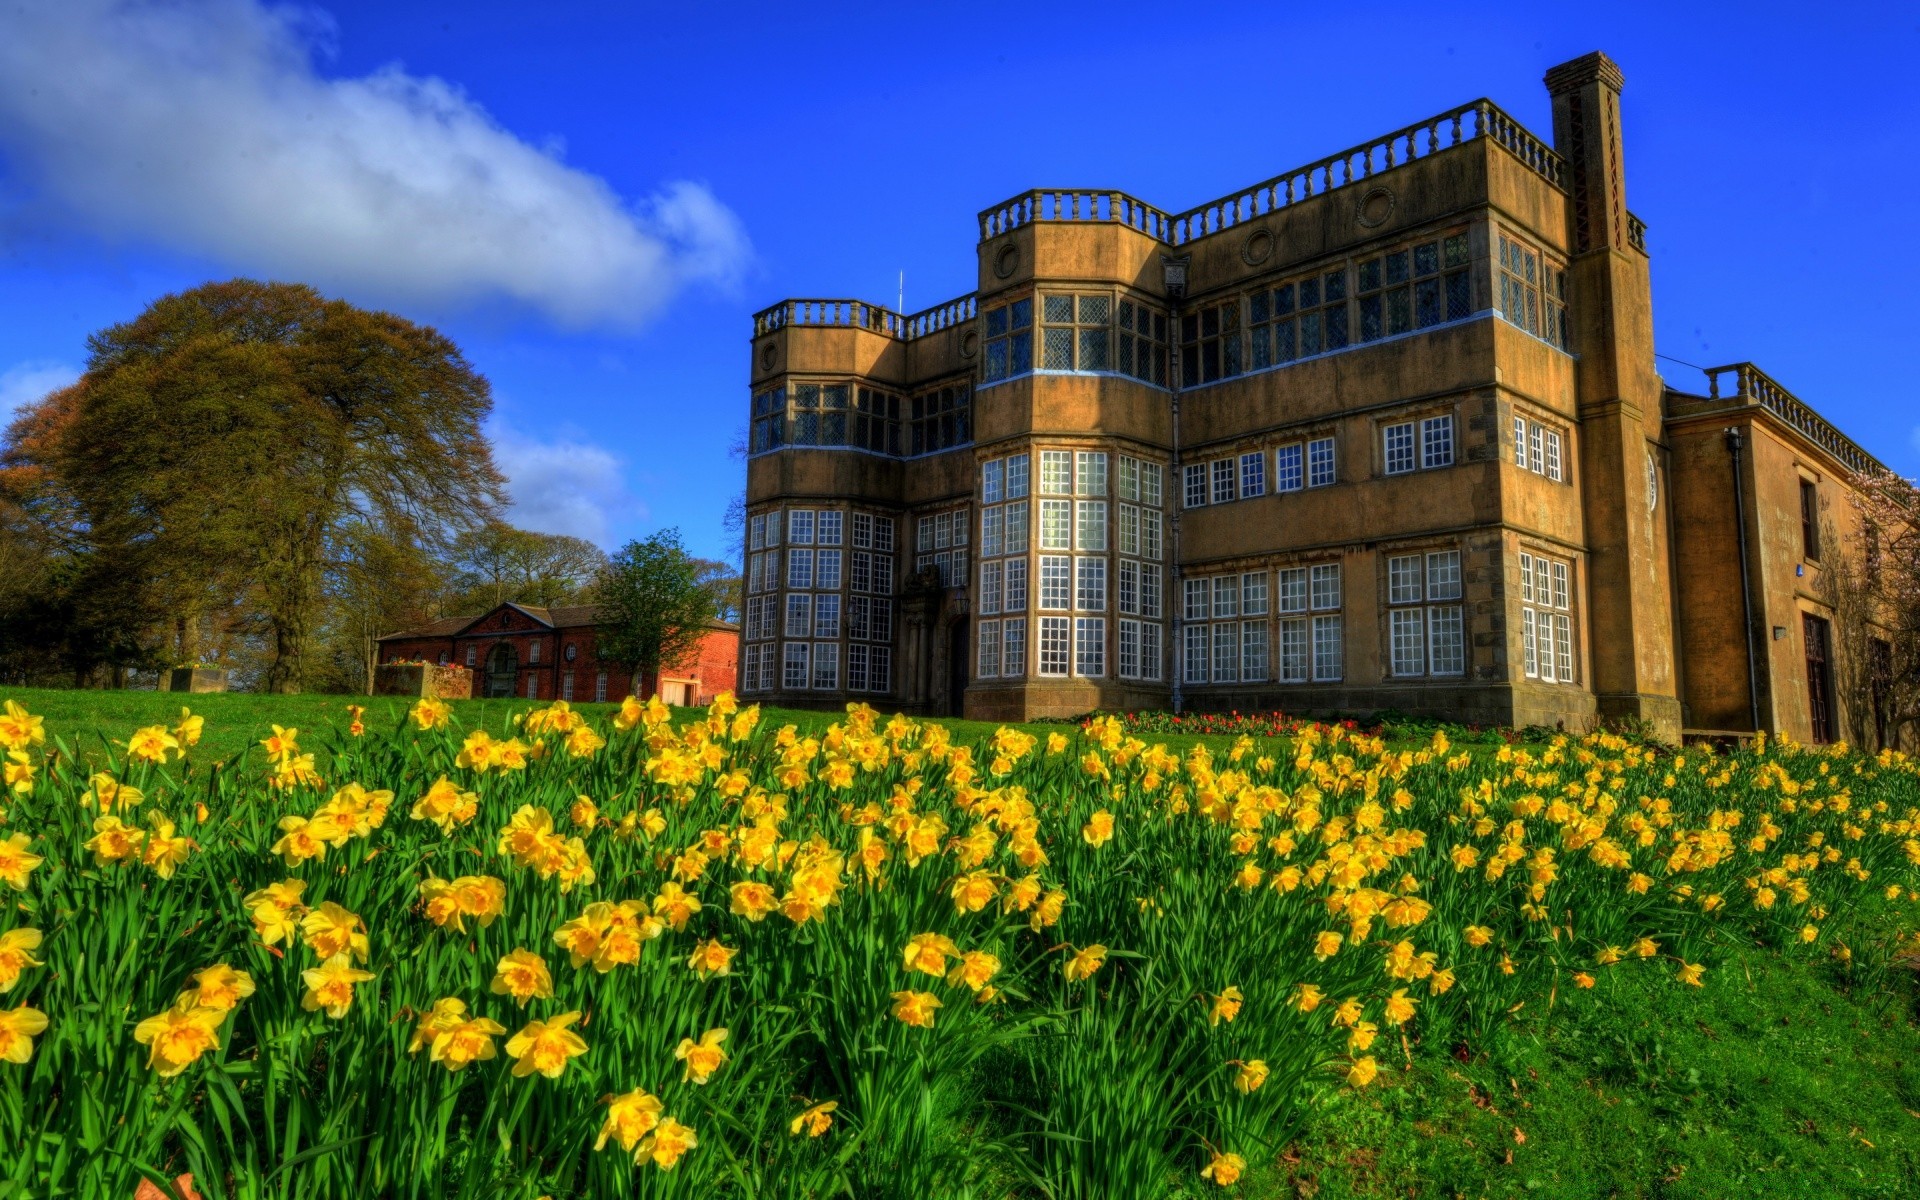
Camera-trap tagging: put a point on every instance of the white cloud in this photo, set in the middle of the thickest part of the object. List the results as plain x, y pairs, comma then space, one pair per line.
204, 127
24, 383
568, 485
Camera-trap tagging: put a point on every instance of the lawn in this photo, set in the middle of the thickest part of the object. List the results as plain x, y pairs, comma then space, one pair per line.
1155, 957
236, 722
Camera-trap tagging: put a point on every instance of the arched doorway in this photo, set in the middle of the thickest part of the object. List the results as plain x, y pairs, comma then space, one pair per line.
957, 668
503, 669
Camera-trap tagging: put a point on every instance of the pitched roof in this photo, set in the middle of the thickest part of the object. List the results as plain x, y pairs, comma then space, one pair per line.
444, 627
560, 616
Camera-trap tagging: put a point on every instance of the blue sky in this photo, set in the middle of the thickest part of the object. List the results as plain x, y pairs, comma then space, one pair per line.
593, 200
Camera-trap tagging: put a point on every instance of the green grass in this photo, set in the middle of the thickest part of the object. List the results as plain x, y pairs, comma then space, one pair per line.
237, 721
1782, 1079
1786, 1076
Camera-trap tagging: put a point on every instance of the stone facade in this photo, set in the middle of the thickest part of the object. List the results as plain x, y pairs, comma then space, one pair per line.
549, 654
1384, 432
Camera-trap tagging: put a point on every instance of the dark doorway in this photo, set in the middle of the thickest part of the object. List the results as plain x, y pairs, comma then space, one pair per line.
1819, 677
503, 668
957, 669
1880, 683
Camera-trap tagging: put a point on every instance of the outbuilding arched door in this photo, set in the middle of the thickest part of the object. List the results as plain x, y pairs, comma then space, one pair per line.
503, 669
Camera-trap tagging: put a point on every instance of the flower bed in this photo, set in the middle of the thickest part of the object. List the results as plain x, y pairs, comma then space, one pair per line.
603, 959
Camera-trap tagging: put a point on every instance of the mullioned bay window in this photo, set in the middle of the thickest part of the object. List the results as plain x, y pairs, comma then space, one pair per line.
1142, 343
827, 415
1076, 332
1009, 340
1413, 287
941, 419
1533, 291
1139, 544
1003, 545
1210, 344
940, 542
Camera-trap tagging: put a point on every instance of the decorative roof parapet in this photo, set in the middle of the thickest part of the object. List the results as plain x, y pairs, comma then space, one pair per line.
1481, 118
1751, 385
858, 314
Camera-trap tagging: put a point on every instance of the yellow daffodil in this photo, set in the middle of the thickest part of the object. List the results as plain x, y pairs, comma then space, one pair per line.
114, 841
18, 1027
1225, 1006
190, 727
976, 970
176, 1038
711, 960
523, 975
1250, 1075
915, 1008
17, 773
331, 930
667, 1144
1224, 1170
429, 714
330, 985
816, 1119
465, 1042
16, 946
282, 745
545, 1046
1363, 1071
152, 744
928, 953
630, 1117
16, 862
218, 986
1084, 962
703, 1057
19, 728
1098, 830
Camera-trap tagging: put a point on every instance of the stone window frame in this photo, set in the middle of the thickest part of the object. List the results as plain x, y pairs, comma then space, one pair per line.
1425, 586
1414, 428
1542, 448
1556, 613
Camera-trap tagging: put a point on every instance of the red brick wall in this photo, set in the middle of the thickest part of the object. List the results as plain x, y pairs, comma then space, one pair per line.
714, 667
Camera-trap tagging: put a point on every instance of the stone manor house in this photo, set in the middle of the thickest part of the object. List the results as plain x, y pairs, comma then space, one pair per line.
1381, 432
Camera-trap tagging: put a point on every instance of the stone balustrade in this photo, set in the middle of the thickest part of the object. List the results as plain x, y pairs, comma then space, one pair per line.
1074, 204
1636, 233
1754, 386
1479, 119
858, 314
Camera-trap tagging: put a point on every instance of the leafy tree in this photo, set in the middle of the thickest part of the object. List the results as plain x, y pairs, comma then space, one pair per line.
497, 563
653, 606
722, 581
231, 446
1875, 590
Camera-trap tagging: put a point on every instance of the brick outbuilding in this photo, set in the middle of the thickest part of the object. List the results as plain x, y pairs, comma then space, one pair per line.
550, 654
